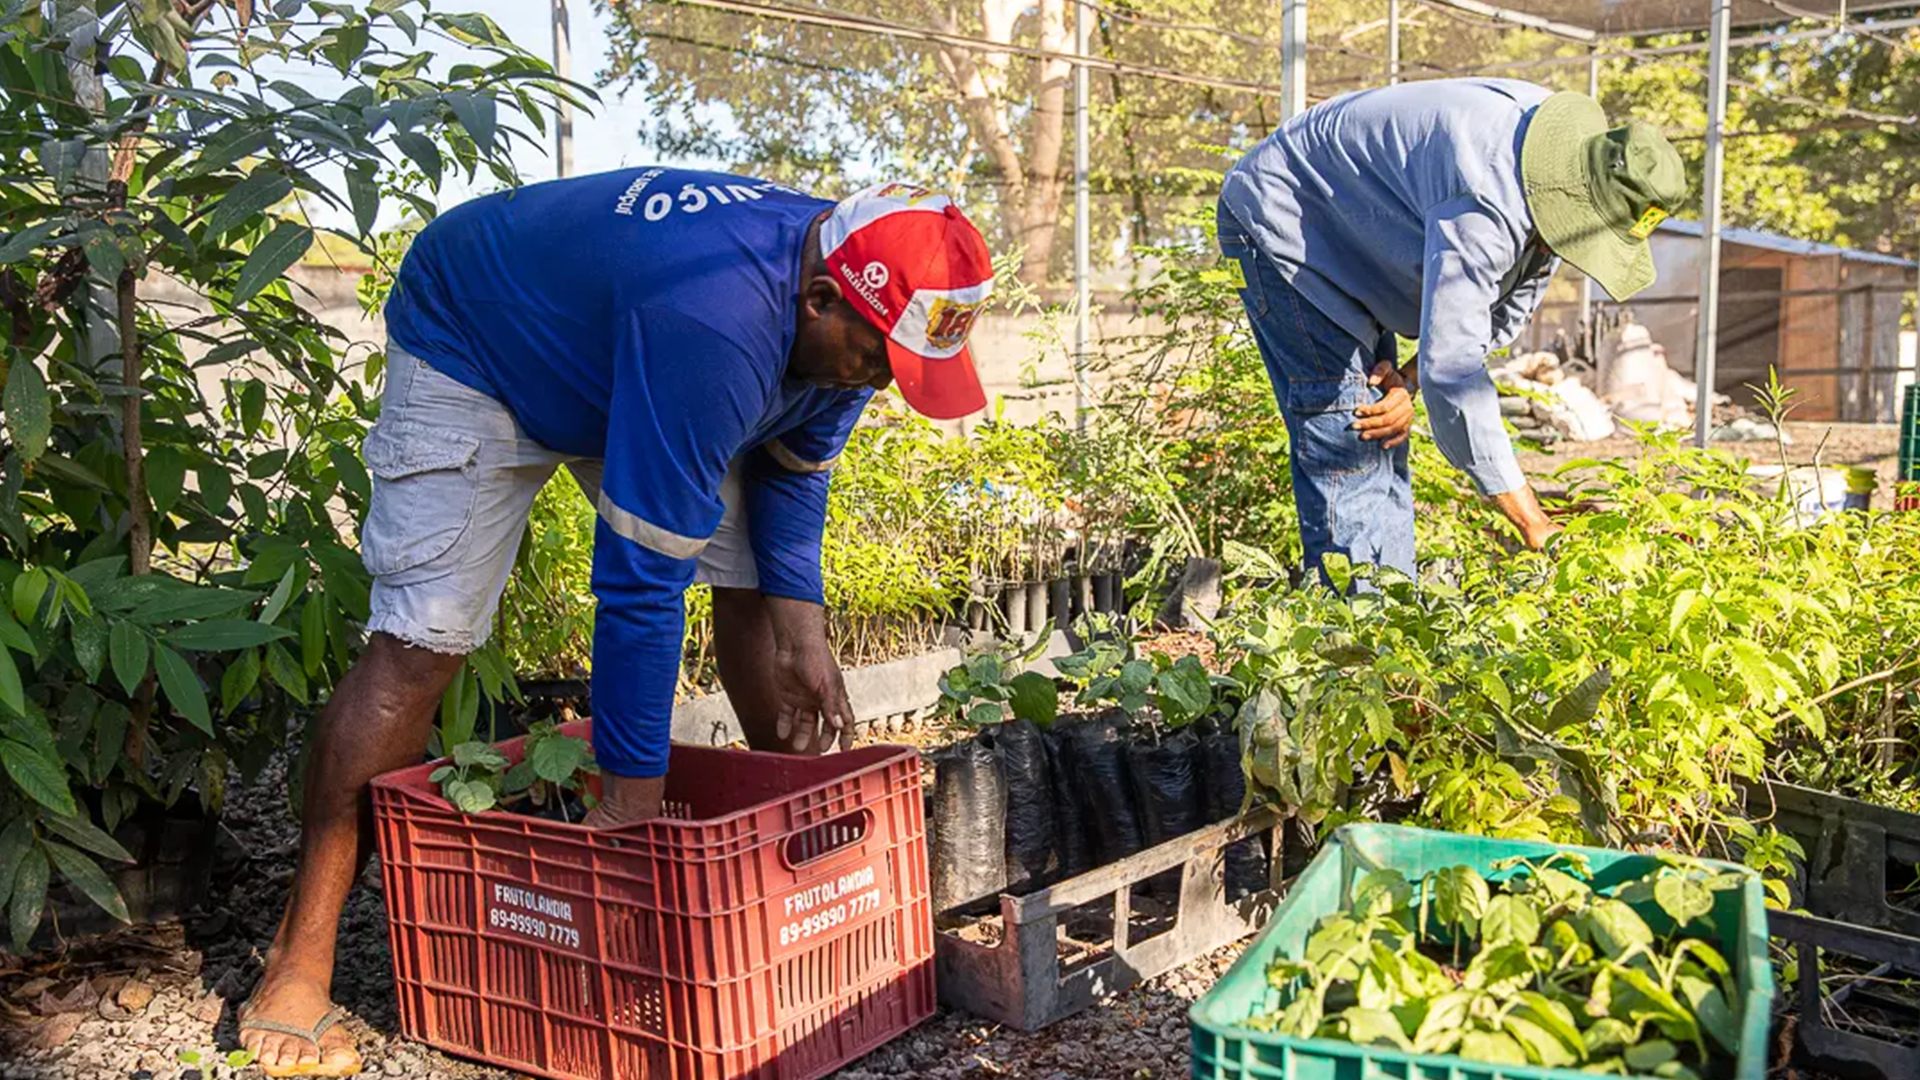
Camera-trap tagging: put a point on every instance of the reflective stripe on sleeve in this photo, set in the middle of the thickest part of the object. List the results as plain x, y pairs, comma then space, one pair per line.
646, 533
793, 462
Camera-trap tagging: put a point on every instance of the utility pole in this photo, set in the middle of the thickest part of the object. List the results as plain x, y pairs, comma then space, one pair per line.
1393, 42
1709, 339
1082, 227
1293, 58
563, 67
1587, 334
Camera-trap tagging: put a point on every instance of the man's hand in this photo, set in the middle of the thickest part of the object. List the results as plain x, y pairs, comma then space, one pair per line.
813, 706
1522, 509
1390, 419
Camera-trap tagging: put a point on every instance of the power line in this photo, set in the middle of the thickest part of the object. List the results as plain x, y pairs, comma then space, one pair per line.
836, 20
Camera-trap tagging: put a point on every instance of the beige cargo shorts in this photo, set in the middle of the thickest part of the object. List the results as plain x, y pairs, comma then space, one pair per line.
454, 478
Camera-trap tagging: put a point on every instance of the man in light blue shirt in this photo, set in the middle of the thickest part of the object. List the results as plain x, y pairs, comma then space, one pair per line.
1432, 210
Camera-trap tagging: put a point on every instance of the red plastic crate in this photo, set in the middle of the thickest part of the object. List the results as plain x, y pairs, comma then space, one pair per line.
774, 927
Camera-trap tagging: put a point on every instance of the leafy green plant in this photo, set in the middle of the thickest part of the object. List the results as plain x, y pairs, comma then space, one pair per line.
181, 473
1108, 674
1539, 969
478, 777
990, 687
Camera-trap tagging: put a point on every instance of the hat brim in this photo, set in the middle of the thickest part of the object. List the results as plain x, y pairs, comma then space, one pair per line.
944, 389
1557, 171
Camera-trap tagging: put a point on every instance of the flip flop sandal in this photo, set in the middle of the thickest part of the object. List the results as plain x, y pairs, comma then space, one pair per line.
309, 1034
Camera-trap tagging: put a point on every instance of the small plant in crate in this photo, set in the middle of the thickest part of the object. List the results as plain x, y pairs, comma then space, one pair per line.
550, 781
1542, 969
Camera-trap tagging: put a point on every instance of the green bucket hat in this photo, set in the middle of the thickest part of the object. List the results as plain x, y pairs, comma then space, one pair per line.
1596, 195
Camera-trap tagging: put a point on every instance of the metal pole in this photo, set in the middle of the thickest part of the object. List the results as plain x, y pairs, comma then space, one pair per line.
1708, 342
1293, 58
563, 67
1082, 226
1393, 42
1586, 283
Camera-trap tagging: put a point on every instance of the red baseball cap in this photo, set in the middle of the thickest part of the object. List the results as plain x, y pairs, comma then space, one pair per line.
911, 263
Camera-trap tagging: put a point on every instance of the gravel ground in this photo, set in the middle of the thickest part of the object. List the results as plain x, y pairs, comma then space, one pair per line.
136, 1005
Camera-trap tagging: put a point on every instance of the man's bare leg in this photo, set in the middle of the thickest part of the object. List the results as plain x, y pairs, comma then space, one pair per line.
743, 650
377, 721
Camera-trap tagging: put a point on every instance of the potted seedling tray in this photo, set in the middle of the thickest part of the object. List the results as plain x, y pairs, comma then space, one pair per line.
1355, 873
1857, 941
1055, 951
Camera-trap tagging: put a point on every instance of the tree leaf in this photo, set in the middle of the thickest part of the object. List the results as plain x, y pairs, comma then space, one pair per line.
557, 757
23, 243
1650, 1055
86, 875
253, 405
15, 637
41, 777
470, 796
282, 594
1509, 919
12, 694
1581, 704
285, 673
127, 647
241, 676
1183, 692
221, 635
260, 191
280, 250
1541, 1045
29, 408
363, 191
29, 898
85, 834
89, 636
1616, 928
1374, 1027
1034, 698
15, 841
216, 486
478, 113
1460, 897
422, 152
1683, 898
1495, 1048
182, 687
313, 634
166, 469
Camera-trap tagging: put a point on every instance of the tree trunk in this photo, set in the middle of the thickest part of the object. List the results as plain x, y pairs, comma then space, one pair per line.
1045, 182
981, 81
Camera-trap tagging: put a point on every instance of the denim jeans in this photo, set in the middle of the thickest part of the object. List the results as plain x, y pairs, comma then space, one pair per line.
1354, 497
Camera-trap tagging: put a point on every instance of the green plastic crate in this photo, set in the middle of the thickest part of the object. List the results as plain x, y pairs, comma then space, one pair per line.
1224, 1051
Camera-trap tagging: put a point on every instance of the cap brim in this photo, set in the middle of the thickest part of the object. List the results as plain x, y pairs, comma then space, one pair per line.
939, 389
1555, 167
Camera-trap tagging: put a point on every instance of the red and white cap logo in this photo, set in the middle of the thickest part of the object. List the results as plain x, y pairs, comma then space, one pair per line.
914, 266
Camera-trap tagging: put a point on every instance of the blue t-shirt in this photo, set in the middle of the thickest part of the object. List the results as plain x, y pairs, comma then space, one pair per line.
643, 317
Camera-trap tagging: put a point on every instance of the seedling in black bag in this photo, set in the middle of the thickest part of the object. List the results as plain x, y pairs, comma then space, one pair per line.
550, 781
991, 686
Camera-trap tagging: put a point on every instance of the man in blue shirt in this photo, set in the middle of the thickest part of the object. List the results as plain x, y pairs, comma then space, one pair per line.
1431, 210
695, 348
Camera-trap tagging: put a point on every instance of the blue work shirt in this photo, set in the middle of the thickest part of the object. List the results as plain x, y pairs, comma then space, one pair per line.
1402, 209
643, 317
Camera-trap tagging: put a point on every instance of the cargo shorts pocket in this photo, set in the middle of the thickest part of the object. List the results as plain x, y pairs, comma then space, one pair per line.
423, 494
